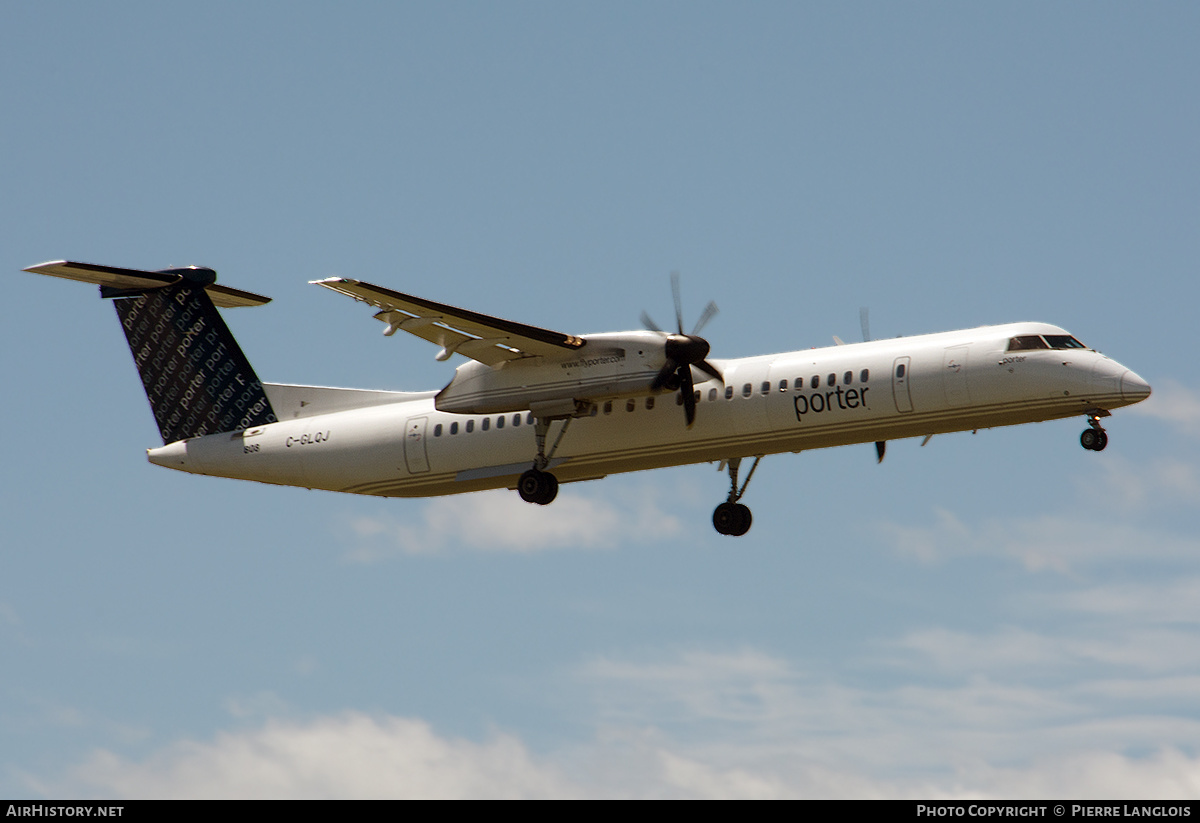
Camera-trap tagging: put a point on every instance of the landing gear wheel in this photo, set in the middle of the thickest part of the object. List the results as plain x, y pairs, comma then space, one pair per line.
724, 518
1094, 439
538, 487
732, 519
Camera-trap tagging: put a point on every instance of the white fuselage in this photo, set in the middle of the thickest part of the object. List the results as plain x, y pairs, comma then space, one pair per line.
401, 445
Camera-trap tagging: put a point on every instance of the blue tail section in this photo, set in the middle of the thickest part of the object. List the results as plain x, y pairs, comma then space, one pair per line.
196, 377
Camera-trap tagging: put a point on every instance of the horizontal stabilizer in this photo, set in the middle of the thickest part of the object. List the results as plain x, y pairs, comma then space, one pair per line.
117, 282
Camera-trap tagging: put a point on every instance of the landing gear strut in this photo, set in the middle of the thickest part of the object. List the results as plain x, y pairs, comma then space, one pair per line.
1094, 438
731, 517
537, 485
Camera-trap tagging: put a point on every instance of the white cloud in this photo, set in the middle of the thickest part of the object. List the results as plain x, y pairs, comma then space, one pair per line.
1175, 601
1132, 487
351, 755
1050, 542
733, 724
1174, 403
1013, 652
355, 756
500, 521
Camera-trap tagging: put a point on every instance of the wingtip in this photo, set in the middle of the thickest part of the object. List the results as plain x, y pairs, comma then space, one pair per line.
37, 269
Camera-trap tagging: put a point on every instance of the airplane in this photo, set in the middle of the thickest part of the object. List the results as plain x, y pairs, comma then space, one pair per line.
533, 407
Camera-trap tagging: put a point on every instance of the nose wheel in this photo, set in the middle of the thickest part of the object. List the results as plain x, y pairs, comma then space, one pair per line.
1094, 438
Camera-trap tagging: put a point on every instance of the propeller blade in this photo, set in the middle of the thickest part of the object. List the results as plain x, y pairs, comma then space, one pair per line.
864, 319
664, 375
682, 351
678, 301
710, 370
649, 323
705, 316
689, 393
880, 449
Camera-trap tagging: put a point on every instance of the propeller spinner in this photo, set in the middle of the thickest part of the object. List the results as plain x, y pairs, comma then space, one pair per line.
683, 351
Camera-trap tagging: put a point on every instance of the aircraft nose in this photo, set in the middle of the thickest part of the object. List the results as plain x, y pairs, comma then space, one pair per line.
1133, 387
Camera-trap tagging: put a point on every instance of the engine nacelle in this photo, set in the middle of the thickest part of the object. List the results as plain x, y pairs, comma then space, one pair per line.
607, 367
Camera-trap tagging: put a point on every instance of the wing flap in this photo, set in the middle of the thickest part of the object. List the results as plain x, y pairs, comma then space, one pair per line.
490, 340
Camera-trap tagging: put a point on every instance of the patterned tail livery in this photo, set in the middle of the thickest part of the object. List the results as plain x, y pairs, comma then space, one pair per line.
196, 377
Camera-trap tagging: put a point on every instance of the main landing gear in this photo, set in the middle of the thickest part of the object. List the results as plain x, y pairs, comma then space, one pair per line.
536, 485
1094, 438
731, 517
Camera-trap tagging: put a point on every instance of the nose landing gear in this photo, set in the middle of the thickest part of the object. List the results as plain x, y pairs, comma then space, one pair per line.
1094, 438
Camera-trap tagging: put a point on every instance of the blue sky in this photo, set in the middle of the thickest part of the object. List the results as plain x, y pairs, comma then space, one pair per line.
1002, 614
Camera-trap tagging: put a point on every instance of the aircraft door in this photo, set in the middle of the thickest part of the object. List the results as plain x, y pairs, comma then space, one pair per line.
414, 445
954, 376
900, 374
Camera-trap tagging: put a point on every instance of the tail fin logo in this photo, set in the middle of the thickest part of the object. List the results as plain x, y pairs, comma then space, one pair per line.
196, 377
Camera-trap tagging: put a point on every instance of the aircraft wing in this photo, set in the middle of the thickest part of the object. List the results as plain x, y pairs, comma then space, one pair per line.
481, 337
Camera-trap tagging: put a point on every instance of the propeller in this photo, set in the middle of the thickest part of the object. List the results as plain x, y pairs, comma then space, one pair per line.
683, 351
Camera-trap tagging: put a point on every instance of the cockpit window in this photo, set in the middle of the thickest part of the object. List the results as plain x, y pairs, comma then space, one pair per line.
1025, 342
1063, 341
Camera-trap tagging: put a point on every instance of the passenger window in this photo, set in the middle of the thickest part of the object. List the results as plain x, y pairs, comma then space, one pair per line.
649, 403
1025, 342
848, 377
630, 405
696, 395
437, 430
678, 398
500, 422
454, 427
729, 392
516, 419
899, 371
864, 376
608, 407
593, 410
529, 419
747, 390
766, 387
470, 426
485, 424
816, 381
831, 380
712, 394
783, 385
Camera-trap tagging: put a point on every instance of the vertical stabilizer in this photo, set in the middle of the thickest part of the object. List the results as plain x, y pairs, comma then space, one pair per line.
196, 377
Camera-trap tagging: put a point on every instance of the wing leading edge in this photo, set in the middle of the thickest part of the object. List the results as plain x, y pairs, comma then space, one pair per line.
489, 340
